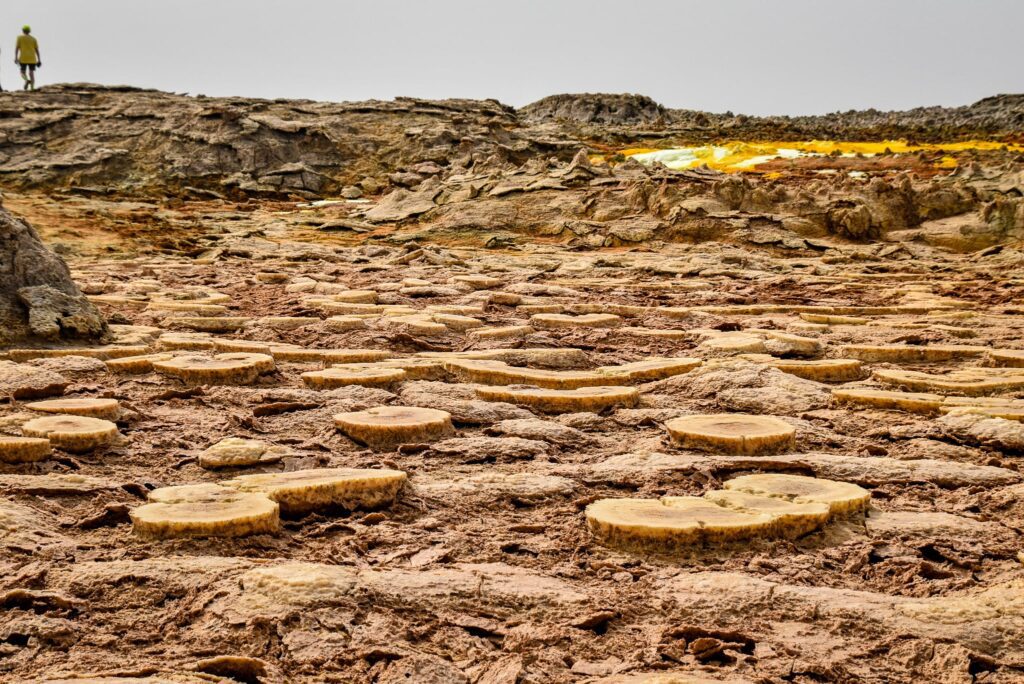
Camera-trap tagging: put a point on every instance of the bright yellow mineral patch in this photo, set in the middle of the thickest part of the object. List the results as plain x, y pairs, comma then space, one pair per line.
745, 156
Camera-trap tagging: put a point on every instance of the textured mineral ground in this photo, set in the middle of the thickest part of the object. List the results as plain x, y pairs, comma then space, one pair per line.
446, 392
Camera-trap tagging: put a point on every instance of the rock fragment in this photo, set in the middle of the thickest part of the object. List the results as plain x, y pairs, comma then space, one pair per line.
234, 452
22, 381
38, 299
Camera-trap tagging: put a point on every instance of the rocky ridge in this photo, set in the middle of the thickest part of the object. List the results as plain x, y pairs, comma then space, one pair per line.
143, 142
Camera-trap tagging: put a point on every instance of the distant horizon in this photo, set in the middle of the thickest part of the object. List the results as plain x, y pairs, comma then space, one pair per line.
781, 58
484, 99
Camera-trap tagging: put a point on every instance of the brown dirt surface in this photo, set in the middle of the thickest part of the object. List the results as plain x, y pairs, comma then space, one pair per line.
483, 569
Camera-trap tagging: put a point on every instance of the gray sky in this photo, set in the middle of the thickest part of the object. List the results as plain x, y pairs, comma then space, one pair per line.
751, 56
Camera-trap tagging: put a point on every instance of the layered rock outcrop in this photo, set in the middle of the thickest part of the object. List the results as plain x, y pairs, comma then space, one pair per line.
143, 142
38, 299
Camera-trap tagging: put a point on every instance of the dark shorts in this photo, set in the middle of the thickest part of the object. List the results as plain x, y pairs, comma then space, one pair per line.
30, 67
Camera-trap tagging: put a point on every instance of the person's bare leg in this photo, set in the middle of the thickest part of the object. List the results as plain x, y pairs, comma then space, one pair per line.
32, 78
24, 78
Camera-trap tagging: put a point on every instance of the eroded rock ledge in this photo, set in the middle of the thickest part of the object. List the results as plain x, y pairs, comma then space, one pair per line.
38, 299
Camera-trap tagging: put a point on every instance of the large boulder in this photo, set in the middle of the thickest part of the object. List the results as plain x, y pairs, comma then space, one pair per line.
597, 108
38, 300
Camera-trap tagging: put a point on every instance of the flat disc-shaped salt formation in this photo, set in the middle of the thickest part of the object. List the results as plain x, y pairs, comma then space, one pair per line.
834, 320
1008, 358
342, 376
495, 485
611, 308
995, 407
419, 325
478, 282
137, 364
489, 372
672, 523
912, 402
76, 434
190, 294
272, 277
734, 343
456, 322
752, 506
732, 433
107, 409
285, 353
551, 321
842, 498
288, 322
502, 333
560, 357
808, 327
343, 323
535, 309
237, 368
263, 363
303, 491
211, 324
655, 332
293, 353
794, 519
102, 353
185, 342
355, 355
23, 449
346, 309
386, 427
780, 343
355, 296
592, 399
651, 369
415, 369
970, 383
118, 300
248, 346
189, 307
456, 309
824, 370
905, 353
205, 510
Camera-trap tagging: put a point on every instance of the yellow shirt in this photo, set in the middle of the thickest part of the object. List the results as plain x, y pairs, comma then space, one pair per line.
29, 49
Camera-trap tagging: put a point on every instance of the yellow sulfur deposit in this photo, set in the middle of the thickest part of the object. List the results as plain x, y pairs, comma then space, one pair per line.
746, 156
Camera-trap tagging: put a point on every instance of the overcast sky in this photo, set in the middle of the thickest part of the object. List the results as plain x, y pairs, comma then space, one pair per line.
751, 56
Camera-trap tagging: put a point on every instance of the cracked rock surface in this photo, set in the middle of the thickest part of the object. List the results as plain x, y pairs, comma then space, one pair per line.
38, 299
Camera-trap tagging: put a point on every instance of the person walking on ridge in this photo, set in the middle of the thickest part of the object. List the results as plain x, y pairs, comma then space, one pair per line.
27, 56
